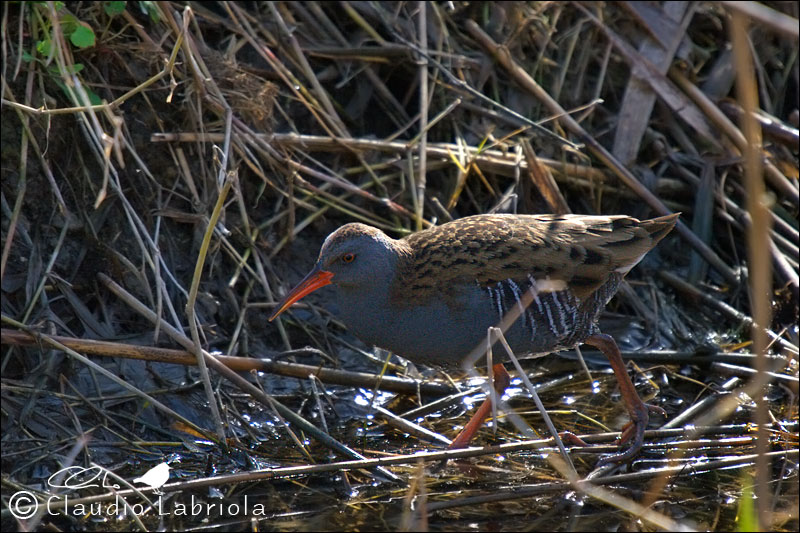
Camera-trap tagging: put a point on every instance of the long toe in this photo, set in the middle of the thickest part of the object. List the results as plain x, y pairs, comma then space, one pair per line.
633, 431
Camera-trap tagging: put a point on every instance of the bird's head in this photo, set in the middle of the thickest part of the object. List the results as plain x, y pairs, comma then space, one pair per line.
354, 257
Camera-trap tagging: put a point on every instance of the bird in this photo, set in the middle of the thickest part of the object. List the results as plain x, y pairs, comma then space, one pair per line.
156, 477
429, 297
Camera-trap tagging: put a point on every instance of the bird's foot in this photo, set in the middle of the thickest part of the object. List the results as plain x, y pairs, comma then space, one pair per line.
572, 439
633, 432
638, 410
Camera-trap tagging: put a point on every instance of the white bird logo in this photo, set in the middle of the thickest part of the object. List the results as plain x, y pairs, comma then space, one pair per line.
155, 477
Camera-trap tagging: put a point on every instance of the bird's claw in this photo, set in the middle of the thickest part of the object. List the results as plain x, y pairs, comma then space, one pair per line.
633, 431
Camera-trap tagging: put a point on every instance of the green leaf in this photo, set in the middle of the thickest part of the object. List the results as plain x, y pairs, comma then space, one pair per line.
45, 48
70, 69
114, 8
94, 99
746, 519
69, 23
150, 9
83, 36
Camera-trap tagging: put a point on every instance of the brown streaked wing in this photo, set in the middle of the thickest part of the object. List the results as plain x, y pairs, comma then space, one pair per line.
581, 250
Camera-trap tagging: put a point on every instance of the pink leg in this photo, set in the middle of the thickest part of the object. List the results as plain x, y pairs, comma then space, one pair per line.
501, 382
639, 411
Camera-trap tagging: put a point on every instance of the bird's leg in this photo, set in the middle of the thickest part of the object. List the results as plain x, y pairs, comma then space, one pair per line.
501, 382
639, 411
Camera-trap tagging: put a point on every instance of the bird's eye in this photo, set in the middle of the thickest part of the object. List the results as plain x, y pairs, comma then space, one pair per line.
348, 258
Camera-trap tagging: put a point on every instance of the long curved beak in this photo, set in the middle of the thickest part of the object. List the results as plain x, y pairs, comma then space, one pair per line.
315, 279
